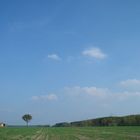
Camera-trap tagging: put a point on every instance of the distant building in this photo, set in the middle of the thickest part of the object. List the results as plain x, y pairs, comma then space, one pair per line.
2, 125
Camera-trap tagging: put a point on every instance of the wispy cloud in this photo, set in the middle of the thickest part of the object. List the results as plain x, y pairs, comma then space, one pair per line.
101, 93
92, 91
94, 52
127, 95
50, 97
132, 84
54, 57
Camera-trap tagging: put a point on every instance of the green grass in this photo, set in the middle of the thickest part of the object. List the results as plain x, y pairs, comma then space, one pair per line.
77, 133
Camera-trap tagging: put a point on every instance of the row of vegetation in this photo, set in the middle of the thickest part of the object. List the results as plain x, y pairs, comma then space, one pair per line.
131, 120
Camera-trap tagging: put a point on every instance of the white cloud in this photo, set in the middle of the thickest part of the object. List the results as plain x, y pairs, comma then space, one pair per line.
101, 93
127, 95
131, 84
54, 57
94, 53
49, 97
92, 91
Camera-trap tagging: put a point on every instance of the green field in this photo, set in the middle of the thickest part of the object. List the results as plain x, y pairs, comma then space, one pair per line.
89, 133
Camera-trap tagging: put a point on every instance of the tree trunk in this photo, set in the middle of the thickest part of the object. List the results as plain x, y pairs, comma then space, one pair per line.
27, 124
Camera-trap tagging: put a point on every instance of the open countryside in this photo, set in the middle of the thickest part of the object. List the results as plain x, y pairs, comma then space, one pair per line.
69, 69
105, 128
71, 133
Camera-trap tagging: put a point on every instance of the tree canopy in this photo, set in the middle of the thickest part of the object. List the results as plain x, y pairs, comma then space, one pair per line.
27, 118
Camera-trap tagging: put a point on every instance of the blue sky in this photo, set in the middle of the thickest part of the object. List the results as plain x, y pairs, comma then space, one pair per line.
69, 60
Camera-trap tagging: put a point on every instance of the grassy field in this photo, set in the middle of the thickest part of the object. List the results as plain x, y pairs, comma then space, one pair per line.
89, 133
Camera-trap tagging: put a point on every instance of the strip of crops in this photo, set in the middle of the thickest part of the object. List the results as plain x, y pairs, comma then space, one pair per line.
71, 133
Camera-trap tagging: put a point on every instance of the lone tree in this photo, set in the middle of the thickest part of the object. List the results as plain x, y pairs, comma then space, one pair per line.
27, 118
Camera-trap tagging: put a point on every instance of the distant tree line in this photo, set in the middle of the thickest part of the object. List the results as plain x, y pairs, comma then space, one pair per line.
131, 120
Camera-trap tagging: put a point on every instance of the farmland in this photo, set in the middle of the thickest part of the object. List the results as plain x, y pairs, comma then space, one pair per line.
71, 133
